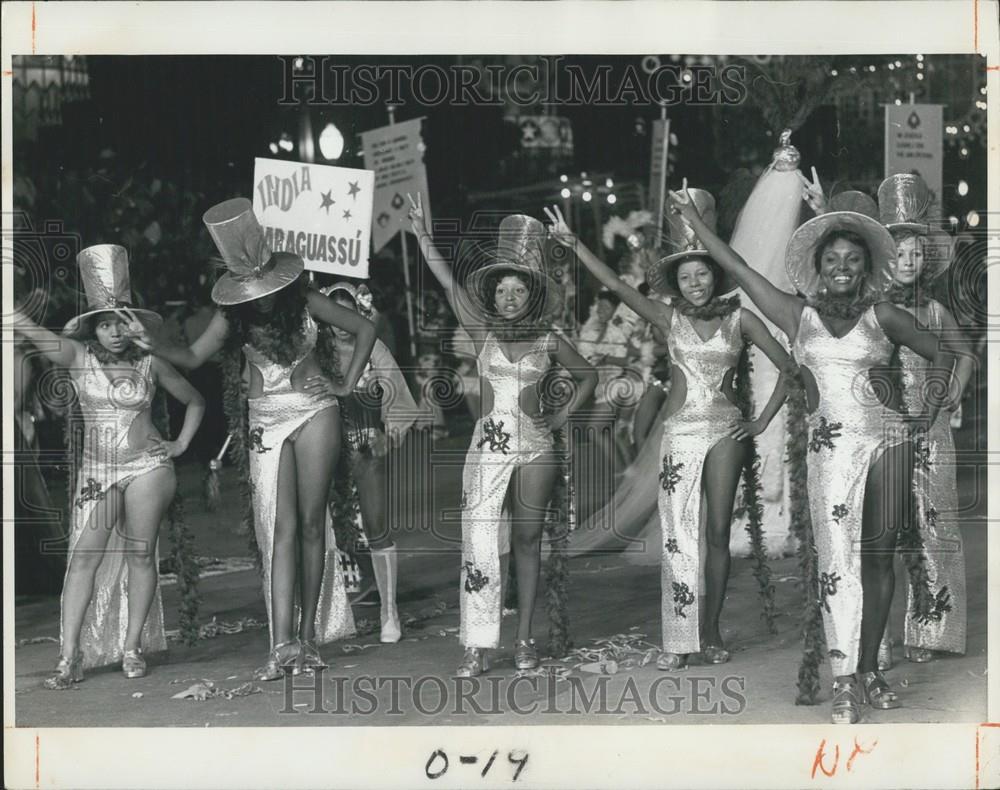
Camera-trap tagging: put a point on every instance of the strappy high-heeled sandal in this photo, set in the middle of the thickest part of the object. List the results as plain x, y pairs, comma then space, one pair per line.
847, 698
68, 671
884, 658
525, 654
671, 662
877, 691
133, 664
279, 661
919, 655
474, 663
309, 659
715, 654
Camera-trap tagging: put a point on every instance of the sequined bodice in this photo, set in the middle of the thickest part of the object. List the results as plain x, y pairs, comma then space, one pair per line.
914, 366
277, 378
841, 366
508, 378
110, 402
704, 363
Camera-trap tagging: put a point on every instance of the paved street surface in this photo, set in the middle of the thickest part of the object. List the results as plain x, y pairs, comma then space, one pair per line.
410, 682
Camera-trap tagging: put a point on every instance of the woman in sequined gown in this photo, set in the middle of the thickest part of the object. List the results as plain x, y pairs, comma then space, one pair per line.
860, 457
268, 319
506, 307
943, 628
111, 608
703, 450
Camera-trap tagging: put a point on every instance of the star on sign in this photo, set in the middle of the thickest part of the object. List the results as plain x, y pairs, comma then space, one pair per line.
328, 201
353, 189
347, 214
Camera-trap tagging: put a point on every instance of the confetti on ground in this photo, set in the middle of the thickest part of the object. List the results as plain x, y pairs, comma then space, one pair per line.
207, 689
36, 640
216, 627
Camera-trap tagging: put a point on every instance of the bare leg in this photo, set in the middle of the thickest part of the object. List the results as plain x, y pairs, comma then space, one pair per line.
87, 555
283, 555
532, 489
721, 476
886, 506
316, 451
146, 500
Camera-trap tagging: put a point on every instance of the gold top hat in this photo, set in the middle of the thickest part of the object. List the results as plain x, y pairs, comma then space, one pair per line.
521, 243
254, 271
360, 294
903, 202
684, 240
801, 249
104, 274
853, 200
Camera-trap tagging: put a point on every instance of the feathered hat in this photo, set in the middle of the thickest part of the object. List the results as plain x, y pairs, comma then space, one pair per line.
521, 245
904, 200
254, 271
684, 240
104, 273
801, 249
360, 294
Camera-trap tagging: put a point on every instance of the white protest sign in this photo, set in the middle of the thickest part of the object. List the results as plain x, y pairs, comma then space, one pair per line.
321, 213
913, 143
396, 155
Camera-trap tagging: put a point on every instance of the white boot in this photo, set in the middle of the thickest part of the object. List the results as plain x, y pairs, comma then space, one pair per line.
384, 561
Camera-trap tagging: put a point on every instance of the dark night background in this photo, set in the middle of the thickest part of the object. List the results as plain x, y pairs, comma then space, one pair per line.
160, 139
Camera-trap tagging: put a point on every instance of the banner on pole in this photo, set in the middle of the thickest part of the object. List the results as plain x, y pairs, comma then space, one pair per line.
658, 169
321, 213
396, 155
913, 144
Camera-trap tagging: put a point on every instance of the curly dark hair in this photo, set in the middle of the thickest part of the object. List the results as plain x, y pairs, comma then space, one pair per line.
531, 322
87, 334
717, 273
279, 334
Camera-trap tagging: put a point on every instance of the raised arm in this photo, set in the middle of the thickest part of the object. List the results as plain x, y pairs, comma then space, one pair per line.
653, 311
781, 308
325, 309
901, 328
174, 383
184, 357
441, 269
62, 351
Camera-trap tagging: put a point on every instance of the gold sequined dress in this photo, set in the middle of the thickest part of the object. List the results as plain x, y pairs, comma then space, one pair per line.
848, 432
502, 441
706, 417
278, 414
109, 406
937, 511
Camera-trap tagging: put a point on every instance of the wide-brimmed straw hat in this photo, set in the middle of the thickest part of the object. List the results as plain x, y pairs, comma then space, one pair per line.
105, 278
904, 201
254, 271
521, 246
684, 241
801, 250
856, 201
